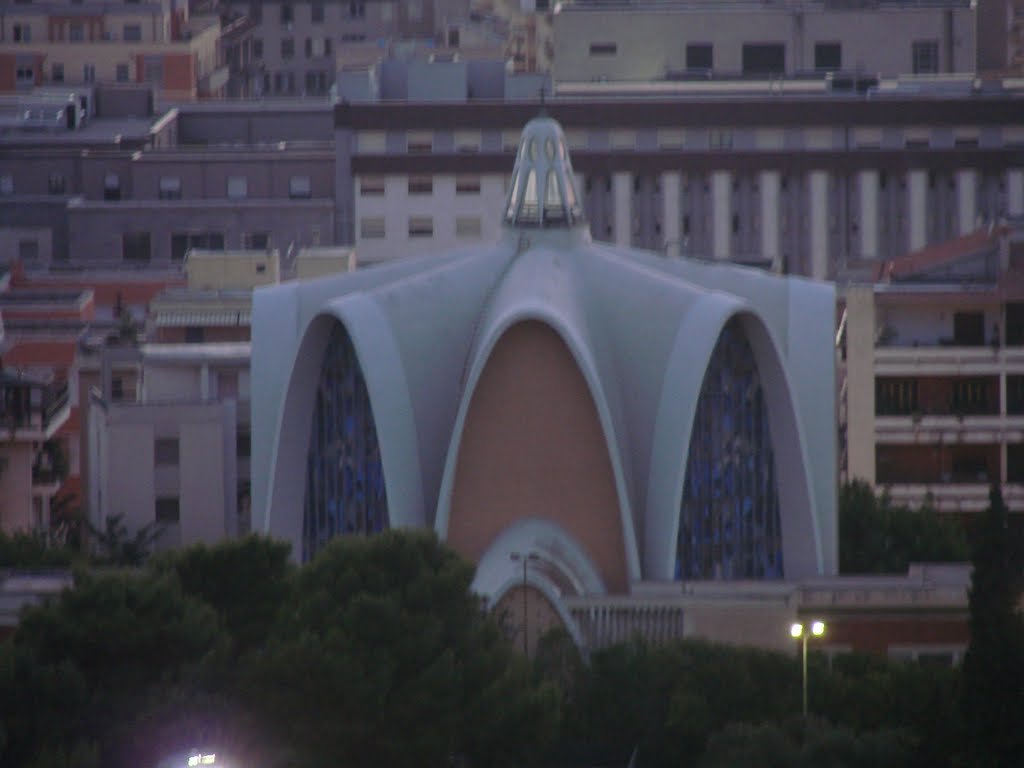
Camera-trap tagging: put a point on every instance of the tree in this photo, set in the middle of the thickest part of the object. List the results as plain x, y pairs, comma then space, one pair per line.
877, 536
246, 581
116, 547
123, 635
385, 657
993, 671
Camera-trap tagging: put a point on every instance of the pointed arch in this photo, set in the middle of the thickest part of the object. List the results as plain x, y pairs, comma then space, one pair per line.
532, 443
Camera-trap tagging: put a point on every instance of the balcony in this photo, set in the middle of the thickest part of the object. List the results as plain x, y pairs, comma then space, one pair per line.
32, 407
947, 360
955, 497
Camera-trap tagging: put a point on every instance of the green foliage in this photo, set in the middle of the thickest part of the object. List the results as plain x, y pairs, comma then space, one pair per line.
769, 745
115, 546
993, 672
122, 634
385, 657
244, 580
32, 551
877, 536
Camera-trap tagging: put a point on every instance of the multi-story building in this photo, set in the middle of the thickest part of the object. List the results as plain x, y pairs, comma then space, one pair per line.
645, 40
932, 399
294, 45
69, 42
811, 184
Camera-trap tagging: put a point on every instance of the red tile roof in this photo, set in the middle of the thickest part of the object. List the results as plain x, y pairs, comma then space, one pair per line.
940, 253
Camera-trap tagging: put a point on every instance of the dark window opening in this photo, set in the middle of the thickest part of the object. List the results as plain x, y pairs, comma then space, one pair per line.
969, 329
700, 56
603, 49
828, 56
764, 58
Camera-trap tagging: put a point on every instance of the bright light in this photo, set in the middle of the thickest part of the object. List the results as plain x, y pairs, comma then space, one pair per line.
818, 628
194, 760
796, 629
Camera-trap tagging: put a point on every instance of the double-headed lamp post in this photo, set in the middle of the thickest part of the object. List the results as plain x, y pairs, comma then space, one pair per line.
525, 559
800, 631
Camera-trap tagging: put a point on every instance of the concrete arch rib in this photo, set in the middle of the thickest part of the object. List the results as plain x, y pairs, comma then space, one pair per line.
684, 376
565, 322
381, 363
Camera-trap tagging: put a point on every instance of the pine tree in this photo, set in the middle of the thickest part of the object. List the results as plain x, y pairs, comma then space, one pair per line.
993, 671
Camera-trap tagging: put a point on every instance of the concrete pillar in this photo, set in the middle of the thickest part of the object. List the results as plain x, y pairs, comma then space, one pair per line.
1015, 192
622, 189
671, 212
819, 224
917, 211
966, 200
860, 383
204, 382
721, 215
769, 183
868, 188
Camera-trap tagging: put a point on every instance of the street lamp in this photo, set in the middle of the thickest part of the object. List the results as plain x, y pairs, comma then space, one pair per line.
525, 559
798, 630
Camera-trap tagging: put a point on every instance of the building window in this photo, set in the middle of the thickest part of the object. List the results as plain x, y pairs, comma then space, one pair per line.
764, 58
153, 71
257, 48
238, 187
243, 444
316, 12
345, 489
421, 226
357, 9
76, 32
287, 13
122, 73
371, 186
300, 187
89, 73
256, 241
25, 75
170, 188
57, 73
195, 334
55, 185
467, 185
729, 521
6, 184
467, 141
925, 57
974, 396
420, 141
168, 510
371, 227
895, 397
111, 187
700, 56
132, 32
969, 329
828, 57
28, 250
135, 246
421, 185
22, 33
165, 452
183, 242
117, 388
287, 48
467, 226
603, 49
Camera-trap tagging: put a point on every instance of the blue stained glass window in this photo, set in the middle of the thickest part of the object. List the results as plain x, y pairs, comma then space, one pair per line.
344, 475
729, 525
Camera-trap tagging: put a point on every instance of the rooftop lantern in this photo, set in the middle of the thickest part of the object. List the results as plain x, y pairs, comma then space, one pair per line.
542, 193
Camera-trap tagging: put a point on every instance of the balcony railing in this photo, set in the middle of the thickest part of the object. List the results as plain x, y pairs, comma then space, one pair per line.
32, 406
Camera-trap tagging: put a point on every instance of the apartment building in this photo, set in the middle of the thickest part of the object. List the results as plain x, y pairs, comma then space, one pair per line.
803, 184
932, 404
82, 42
294, 46
646, 40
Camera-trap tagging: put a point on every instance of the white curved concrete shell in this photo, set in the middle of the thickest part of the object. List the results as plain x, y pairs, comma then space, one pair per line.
467, 347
